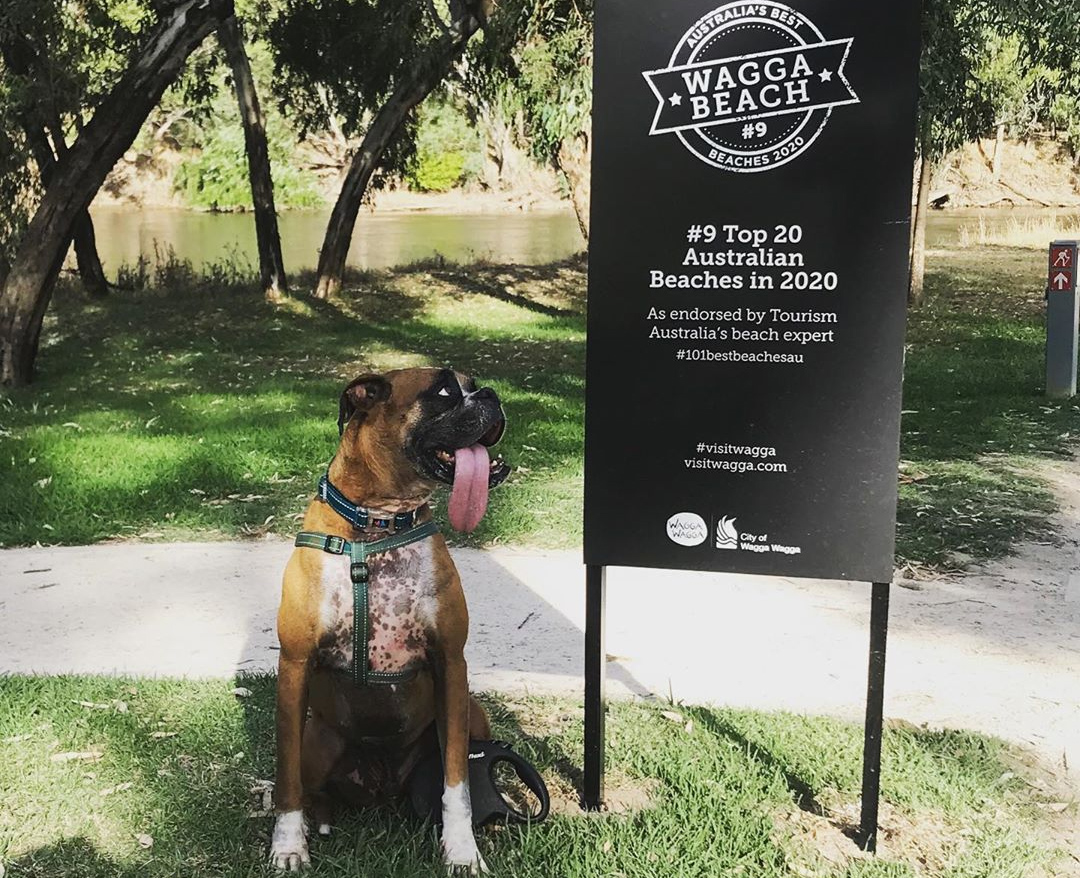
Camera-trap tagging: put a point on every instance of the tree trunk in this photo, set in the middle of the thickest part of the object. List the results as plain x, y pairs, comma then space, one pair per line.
999, 147
575, 157
79, 175
918, 245
271, 264
87, 259
410, 91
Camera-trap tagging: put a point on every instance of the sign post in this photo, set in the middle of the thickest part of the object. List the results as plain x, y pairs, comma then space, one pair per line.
748, 270
1062, 313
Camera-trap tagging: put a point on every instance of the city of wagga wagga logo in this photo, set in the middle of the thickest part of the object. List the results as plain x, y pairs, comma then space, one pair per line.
750, 86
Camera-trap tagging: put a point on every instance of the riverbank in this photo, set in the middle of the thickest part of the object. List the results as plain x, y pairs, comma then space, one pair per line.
1035, 173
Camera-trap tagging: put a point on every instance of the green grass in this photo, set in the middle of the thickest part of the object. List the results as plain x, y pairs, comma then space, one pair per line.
976, 422
192, 410
737, 794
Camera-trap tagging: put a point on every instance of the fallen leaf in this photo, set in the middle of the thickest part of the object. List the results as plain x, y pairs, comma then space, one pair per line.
241, 692
160, 735
79, 756
144, 840
1055, 807
119, 788
672, 715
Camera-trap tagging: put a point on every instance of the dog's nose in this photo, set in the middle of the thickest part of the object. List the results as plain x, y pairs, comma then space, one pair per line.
484, 394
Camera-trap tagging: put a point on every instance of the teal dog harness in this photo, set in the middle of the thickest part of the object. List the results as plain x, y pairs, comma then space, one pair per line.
359, 552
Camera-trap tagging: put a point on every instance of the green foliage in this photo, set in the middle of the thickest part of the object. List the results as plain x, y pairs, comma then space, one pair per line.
216, 178
537, 61
57, 60
448, 149
436, 171
986, 61
953, 105
1064, 115
17, 190
337, 61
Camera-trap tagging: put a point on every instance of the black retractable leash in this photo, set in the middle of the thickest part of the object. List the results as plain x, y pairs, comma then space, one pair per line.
488, 803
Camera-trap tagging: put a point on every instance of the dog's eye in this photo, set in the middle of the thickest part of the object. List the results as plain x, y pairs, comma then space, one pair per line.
444, 392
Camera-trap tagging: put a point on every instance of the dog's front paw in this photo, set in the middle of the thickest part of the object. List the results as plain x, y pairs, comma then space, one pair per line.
289, 848
461, 855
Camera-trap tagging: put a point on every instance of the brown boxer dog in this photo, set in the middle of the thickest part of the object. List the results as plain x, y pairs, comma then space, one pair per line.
402, 434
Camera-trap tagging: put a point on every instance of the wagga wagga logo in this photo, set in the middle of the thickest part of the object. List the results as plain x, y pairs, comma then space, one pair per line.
687, 529
750, 86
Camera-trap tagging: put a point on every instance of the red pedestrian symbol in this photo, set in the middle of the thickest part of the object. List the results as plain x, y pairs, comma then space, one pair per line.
1062, 274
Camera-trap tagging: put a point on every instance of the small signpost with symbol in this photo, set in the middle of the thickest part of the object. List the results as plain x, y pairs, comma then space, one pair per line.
1062, 314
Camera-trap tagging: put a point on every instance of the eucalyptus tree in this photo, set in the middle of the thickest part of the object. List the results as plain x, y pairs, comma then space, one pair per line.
537, 63
164, 41
267, 236
50, 65
364, 65
953, 106
963, 91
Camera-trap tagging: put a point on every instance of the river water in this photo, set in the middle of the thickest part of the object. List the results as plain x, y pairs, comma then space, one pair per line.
385, 239
381, 240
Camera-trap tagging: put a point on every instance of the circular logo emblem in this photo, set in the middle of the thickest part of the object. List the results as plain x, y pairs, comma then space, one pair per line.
750, 86
687, 529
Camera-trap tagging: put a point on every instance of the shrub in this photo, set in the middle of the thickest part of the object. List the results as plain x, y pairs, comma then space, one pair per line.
216, 177
436, 172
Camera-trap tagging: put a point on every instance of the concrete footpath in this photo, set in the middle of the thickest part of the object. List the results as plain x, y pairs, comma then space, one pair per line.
997, 650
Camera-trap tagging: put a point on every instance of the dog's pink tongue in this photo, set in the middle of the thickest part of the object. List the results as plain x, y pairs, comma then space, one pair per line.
469, 495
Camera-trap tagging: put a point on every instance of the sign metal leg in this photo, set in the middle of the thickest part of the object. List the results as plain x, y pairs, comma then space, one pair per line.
875, 698
595, 686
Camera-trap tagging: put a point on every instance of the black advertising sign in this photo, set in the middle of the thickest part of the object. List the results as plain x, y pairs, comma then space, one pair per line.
748, 264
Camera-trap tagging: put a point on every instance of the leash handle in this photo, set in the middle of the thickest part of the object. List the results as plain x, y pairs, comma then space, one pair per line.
528, 776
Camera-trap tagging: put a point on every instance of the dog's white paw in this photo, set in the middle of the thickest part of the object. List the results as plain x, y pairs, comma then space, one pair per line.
463, 862
460, 853
288, 847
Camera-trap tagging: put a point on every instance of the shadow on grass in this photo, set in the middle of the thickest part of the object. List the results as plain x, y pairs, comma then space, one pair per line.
801, 792
174, 406
70, 857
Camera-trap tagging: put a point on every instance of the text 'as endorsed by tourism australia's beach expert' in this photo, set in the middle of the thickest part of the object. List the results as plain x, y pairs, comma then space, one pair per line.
748, 261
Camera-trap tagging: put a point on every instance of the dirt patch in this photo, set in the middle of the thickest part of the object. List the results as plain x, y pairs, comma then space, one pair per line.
927, 841
622, 795
921, 839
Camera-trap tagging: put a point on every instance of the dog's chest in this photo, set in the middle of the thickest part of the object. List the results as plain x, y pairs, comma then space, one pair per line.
401, 609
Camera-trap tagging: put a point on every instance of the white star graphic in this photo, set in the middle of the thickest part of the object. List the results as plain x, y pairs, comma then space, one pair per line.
825, 75
676, 100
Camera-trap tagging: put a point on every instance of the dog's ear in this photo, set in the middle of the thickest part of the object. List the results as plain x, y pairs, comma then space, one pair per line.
361, 396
